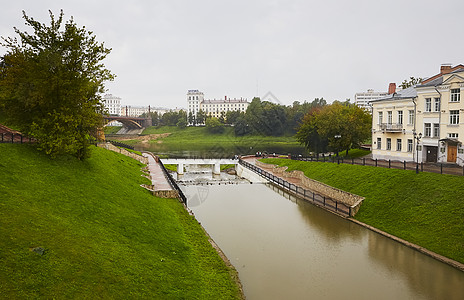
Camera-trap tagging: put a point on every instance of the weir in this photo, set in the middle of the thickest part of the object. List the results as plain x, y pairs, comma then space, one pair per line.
215, 162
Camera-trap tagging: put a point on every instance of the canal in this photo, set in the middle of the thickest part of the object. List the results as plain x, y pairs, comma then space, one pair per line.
284, 248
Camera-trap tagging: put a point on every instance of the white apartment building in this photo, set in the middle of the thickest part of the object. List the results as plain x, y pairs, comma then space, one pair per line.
214, 108
362, 99
112, 104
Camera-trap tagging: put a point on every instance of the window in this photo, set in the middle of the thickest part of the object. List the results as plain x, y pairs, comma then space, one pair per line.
380, 117
428, 104
427, 129
379, 143
409, 145
453, 135
389, 143
436, 104
436, 130
389, 117
398, 144
400, 117
454, 117
411, 117
455, 95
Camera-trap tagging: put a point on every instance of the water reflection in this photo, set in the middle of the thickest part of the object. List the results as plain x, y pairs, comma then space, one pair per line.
294, 250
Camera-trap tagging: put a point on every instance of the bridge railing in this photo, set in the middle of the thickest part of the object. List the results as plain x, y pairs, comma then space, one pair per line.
173, 183
305, 194
119, 144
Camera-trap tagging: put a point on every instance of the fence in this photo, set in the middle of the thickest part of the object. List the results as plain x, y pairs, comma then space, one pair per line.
305, 194
119, 144
8, 137
440, 168
173, 183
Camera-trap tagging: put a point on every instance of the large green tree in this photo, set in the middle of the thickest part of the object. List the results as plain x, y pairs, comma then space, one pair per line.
339, 126
51, 82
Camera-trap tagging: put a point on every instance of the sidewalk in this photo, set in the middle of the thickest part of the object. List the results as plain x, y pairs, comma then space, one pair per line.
158, 180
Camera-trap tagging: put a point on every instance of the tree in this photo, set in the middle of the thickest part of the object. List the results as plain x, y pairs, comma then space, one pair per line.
340, 126
201, 116
50, 85
214, 126
308, 133
241, 127
411, 82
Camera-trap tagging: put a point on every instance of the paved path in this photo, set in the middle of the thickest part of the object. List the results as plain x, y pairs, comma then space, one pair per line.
158, 180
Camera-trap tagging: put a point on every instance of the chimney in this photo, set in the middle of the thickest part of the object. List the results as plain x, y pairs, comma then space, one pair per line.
392, 88
445, 68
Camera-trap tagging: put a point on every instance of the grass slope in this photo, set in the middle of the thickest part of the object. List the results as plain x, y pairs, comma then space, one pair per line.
426, 209
197, 136
104, 236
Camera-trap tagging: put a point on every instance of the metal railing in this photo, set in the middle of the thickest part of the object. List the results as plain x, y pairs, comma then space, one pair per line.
173, 183
441, 168
7, 137
305, 194
391, 127
119, 144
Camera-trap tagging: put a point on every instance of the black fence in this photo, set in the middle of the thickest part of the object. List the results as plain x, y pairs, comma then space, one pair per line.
119, 144
173, 183
7, 137
308, 195
441, 168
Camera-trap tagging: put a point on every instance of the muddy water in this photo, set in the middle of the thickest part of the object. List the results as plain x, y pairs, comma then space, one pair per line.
289, 249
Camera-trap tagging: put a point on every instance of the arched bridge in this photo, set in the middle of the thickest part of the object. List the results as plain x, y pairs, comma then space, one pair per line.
130, 122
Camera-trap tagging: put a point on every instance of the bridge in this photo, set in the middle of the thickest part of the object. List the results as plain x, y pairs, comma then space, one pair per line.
215, 162
130, 122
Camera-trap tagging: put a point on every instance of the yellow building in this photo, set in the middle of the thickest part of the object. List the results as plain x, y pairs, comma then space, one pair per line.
423, 123
440, 116
393, 125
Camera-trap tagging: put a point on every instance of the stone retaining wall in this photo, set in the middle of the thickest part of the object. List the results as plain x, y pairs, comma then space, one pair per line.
349, 199
111, 147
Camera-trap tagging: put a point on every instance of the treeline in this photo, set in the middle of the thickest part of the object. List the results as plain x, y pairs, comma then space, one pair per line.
261, 117
321, 127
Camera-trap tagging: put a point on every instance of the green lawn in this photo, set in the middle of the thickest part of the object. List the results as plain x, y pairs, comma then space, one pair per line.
200, 136
104, 236
426, 208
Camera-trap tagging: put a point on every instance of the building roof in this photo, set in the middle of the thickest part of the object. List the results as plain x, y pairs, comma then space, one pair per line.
410, 92
427, 82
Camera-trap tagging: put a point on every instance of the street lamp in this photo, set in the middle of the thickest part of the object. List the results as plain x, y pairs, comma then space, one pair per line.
337, 137
417, 137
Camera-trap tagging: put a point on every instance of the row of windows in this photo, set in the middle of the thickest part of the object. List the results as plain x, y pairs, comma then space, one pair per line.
399, 144
193, 97
453, 117
399, 117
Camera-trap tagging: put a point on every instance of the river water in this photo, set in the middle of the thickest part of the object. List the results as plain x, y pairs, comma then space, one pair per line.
284, 248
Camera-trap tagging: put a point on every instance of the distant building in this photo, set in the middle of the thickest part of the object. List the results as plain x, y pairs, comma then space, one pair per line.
213, 107
136, 111
112, 104
362, 99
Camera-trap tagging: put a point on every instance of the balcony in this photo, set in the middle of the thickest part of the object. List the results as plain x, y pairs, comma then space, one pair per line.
391, 127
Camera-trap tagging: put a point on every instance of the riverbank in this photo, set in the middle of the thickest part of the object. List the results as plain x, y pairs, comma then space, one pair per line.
425, 209
195, 138
87, 229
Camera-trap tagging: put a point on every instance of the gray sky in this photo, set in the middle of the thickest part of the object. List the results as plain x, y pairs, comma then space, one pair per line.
295, 49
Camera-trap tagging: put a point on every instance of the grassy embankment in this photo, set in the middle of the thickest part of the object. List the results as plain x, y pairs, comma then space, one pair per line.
426, 209
193, 137
104, 236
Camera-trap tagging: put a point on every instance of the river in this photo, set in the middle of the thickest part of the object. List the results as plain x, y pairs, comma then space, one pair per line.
284, 248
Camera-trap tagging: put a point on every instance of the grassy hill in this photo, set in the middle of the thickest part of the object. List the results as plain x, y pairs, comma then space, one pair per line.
103, 235
426, 208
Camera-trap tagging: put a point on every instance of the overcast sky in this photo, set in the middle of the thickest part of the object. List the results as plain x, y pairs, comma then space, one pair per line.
294, 49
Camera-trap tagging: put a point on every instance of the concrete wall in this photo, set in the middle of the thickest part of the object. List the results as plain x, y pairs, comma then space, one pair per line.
249, 175
349, 199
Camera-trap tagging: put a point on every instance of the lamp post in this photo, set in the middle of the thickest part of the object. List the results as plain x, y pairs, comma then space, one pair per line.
417, 137
337, 137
